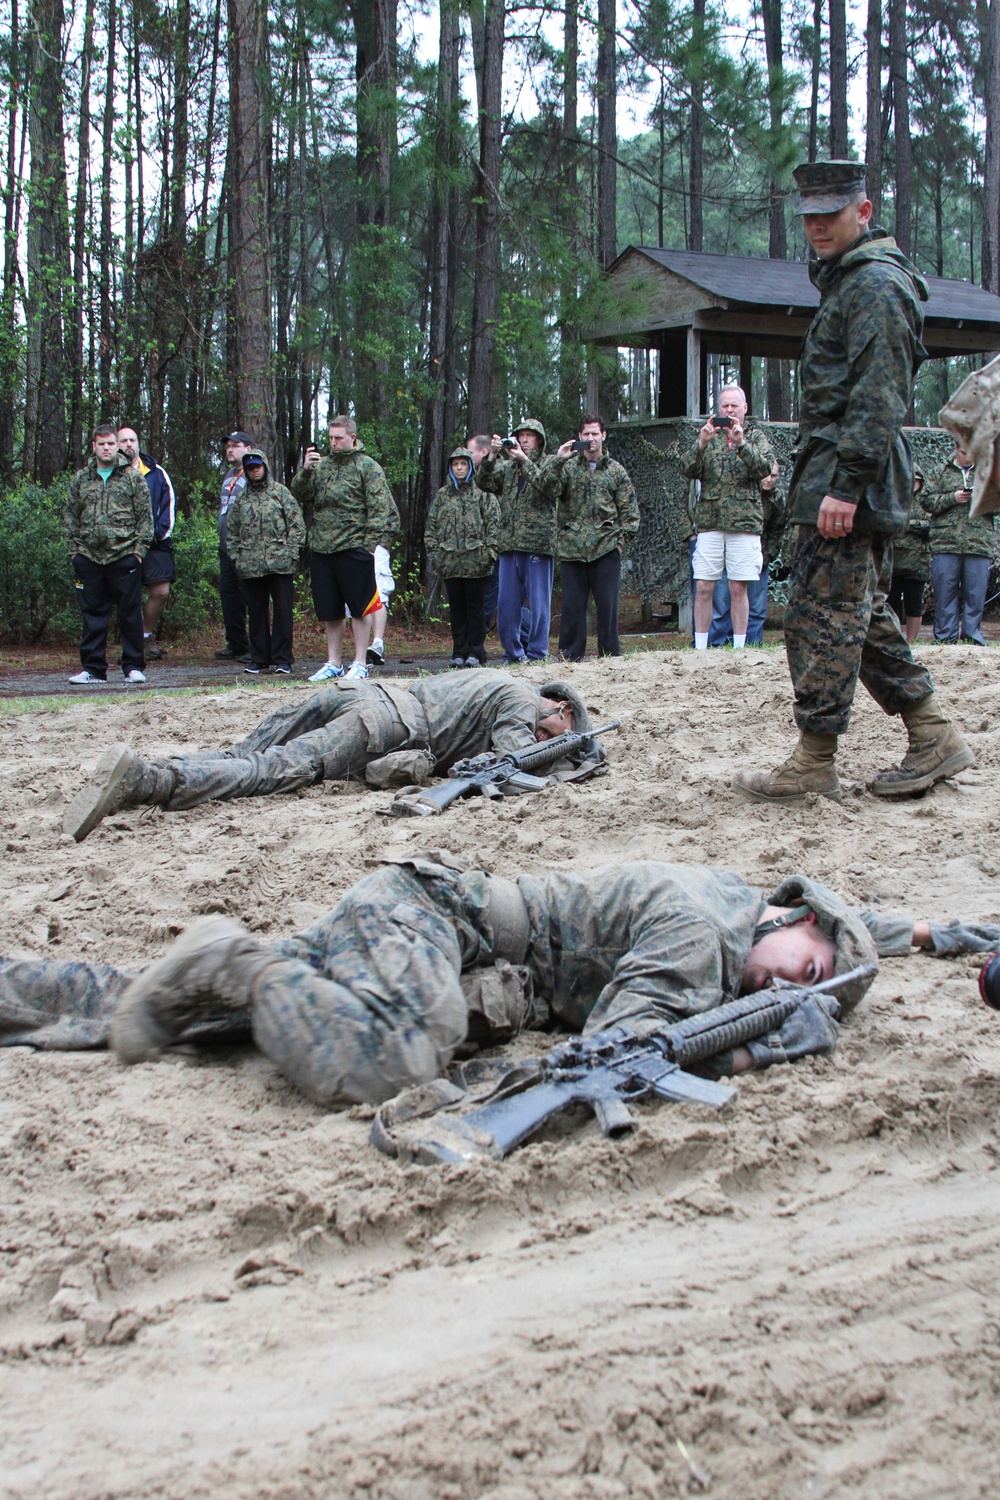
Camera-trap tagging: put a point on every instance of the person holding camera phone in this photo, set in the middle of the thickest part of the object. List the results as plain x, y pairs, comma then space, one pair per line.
513, 471
961, 552
597, 514
351, 510
730, 462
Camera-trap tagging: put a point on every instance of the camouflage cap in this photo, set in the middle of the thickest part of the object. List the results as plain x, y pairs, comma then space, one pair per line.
854, 943
825, 187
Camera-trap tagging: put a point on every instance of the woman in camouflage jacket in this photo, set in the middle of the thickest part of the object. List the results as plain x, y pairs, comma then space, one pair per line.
462, 538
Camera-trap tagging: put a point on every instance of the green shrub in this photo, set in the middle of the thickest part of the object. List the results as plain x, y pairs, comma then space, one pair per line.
194, 598
37, 593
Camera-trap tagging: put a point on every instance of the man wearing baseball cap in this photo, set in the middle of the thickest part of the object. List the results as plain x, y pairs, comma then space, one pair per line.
234, 608
850, 491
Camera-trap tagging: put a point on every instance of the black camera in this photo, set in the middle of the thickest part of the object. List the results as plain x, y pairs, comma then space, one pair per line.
989, 981
722, 421
506, 442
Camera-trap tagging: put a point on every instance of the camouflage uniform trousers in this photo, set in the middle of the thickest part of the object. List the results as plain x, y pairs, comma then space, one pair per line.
365, 1002
331, 735
838, 628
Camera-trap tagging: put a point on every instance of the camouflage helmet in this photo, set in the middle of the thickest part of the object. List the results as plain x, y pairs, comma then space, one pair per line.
854, 943
561, 692
529, 424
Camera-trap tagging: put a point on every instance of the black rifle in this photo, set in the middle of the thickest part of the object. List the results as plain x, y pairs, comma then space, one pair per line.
490, 773
611, 1069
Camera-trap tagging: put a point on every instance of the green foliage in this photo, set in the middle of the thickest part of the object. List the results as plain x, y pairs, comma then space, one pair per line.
37, 593
194, 598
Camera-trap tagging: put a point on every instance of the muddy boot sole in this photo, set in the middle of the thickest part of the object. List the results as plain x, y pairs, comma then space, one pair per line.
95, 800
911, 786
159, 1005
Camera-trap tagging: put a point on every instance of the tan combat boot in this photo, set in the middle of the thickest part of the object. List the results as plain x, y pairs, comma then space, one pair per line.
121, 779
211, 967
936, 751
811, 767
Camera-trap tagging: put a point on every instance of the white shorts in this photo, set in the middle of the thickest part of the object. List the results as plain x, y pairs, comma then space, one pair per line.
737, 552
383, 577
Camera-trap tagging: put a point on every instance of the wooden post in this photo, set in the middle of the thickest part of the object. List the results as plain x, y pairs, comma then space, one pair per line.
746, 375
693, 372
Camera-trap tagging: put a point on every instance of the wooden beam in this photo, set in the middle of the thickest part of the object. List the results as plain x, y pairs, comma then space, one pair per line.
694, 381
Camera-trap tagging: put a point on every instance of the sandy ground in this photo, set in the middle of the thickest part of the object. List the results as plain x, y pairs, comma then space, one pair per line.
210, 1287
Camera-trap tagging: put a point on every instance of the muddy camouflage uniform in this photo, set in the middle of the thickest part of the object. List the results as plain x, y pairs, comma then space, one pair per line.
338, 731
730, 498
858, 362
369, 998
348, 501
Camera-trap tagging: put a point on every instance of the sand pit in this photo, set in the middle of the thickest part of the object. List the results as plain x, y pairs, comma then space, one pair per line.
210, 1287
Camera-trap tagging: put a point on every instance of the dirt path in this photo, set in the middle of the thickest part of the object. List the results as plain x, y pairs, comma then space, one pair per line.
207, 1286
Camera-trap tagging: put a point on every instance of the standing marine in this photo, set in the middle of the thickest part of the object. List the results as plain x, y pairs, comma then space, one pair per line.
849, 491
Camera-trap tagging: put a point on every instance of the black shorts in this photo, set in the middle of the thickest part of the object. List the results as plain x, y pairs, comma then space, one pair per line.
908, 592
158, 565
342, 579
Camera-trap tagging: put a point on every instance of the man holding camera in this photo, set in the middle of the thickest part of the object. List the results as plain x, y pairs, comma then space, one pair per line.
351, 509
527, 538
598, 513
961, 552
730, 462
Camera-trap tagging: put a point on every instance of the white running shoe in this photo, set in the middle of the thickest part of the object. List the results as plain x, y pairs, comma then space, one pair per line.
135, 675
86, 679
327, 672
358, 670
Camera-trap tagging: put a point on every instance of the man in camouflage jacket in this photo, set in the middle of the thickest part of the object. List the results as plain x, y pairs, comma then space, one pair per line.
730, 462
961, 552
108, 526
527, 538
598, 514
265, 534
849, 492
347, 729
773, 508
350, 511
911, 565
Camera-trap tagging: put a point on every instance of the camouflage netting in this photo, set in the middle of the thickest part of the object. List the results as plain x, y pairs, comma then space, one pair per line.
656, 565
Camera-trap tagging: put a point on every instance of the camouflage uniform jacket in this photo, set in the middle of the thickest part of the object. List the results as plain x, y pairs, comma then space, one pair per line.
858, 361
265, 531
597, 511
730, 477
527, 510
952, 528
348, 501
773, 505
468, 713
463, 528
108, 519
911, 548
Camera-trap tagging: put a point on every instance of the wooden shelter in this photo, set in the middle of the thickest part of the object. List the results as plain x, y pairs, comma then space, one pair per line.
688, 304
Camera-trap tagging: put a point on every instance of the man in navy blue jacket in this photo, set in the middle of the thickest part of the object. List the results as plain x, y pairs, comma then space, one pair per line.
158, 567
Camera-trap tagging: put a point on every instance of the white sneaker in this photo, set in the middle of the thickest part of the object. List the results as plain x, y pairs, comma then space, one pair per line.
327, 672
86, 679
135, 675
358, 670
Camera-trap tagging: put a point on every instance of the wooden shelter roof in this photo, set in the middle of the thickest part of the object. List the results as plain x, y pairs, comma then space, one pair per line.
673, 289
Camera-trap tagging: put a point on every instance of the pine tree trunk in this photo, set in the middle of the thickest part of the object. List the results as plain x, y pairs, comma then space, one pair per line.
990, 244
45, 445
80, 239
569, 348
839, 145
107, 275
873, 112
439, 331
696, 172
487, 266
11, 206
777, 248
901, 126
250, 244
607, 132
